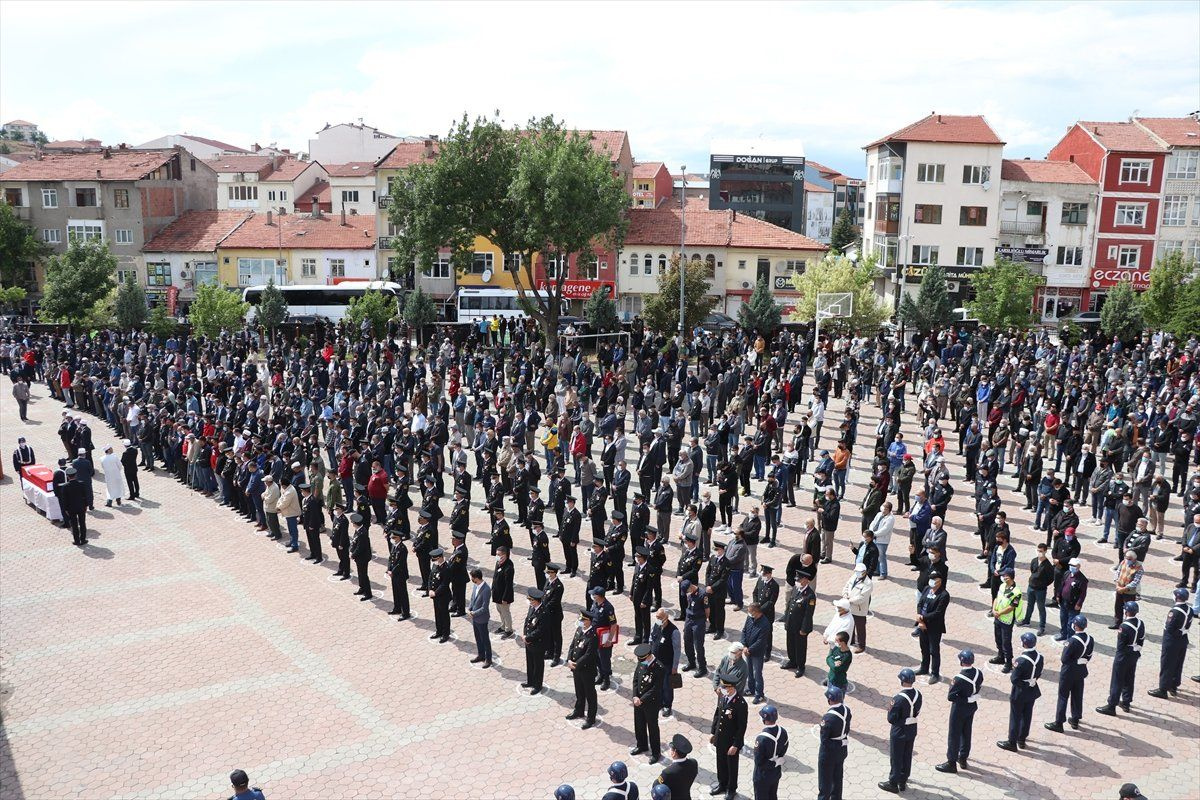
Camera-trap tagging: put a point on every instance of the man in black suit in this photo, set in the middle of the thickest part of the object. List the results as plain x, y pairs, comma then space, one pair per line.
569, 535
680, 774
72, 499
620, 485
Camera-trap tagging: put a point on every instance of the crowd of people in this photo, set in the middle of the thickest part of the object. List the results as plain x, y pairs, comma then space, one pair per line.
682, 459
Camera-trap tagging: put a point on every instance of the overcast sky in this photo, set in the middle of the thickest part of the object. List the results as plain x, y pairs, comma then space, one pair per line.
676, 75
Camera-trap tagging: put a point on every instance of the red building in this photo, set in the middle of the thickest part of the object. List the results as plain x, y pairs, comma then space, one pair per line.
1127, 164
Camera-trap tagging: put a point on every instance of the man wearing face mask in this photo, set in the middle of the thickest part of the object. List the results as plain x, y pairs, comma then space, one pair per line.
1128, 513
1041, 575
583, 660
1062, 551
1124, 667
728, 734
1128, 584
1070, 596
647, 697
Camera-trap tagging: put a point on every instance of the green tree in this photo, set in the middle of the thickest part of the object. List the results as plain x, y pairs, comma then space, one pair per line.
216, 309
1185, 319
17, 136
932, 307
419, 310
76, 280
18, 247
160, 323
376, 308
102, 313
541, 191
661, 310
1121, 315
761, 314
130, 306
601, 312
836, 274
1004, 295
12, 296
1167, 278
272, 307
845, 233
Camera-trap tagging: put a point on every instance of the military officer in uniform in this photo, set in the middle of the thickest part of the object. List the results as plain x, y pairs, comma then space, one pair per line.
902, 716
339, 539
597, 572
1076, 654
604, 618
459, 515
569, 536
1027, 669
641, 596
439, 586
501, 535
964, 702
658, 560
716, 579
695, 622
680, 774
614, 547
728, 736
313, 518
1174, 646
831, 757
770, 746
583, 660
360, 551
647, 698
459, 577
687, 569
552, 608
424, 543
540, 553
595, 507
535, 648
798, 623
1124, 668
398, 572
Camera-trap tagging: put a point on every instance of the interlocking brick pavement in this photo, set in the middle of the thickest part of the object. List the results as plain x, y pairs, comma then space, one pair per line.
179, 645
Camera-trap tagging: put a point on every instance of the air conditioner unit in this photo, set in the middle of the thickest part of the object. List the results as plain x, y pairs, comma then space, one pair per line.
952, 287
603, 265
745, 284
185, 274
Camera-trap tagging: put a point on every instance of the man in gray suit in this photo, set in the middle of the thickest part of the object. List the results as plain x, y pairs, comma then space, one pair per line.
478, 611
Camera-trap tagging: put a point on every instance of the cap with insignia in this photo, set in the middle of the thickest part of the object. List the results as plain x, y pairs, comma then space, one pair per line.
535, 593
599, 479
642, 650
691, 537
618, 515
684, 586
718, 545
437, 552
397, 533
644, 552
680, 744
458, 535
597, 591
585, 614
766, 569
356, 518
652, 530
639, 496
728, 680
425, 514
534, 490
555, 568
358, 487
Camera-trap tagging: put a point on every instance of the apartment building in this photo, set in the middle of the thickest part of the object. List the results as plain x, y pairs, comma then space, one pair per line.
183, 256
298, 249
261, 182
1179, 223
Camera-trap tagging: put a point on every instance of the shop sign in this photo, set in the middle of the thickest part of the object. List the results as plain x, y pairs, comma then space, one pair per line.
579, 290
1105, 277
1027, 255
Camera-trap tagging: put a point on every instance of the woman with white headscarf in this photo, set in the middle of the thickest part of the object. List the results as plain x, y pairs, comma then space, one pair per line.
113, 480
842, 621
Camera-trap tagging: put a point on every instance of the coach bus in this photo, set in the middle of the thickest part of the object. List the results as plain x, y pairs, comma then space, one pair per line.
326, 302
487, 303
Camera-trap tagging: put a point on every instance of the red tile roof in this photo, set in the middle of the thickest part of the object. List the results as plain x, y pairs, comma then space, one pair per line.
246, 163
945, 128
215, 143
289, 170
709, 228
19, 122
1121, 136
647, 170
305, 232
321, 190
405, 154
809, 186
196, 232
72, 144
120, 165
1174, 131
1043, 171
608, 143
352, 169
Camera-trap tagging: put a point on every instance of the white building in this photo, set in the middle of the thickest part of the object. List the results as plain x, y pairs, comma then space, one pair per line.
347, 142
184, 254
352, 187
261, 182
933, 197
1180, 226
23, 127
198, 146
1048, 219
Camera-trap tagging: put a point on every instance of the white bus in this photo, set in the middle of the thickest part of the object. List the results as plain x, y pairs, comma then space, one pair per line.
326, 302
475, 303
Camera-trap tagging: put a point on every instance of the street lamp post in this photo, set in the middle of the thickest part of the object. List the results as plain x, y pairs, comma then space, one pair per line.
682, 248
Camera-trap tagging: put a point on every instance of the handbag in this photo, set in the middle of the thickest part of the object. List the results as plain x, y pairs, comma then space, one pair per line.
676, 680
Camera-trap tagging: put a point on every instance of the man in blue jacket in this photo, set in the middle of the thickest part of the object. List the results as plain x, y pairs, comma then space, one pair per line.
919, 520
756, 638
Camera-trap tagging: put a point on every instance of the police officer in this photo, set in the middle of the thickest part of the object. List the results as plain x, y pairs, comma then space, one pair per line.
360, 551
540, 553
564, 792
501, 534
728, 736
641, 596
831, 757
1174, 646
1027, 669
770, 746
647, 699
569, 535
458, 574
902, 716
1004, 614
687, 569
598, 570
424, 543
604, 618
339, 539
716, 579
680, 774
1124, 668
582, 661
1075, 657
398, 571
622, 788
552, 607
439, 585
242, 790
798, 623
964, 697
695, 620
535, 649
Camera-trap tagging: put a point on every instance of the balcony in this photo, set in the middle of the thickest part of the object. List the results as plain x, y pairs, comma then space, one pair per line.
385, 242
1035, 227
385, 200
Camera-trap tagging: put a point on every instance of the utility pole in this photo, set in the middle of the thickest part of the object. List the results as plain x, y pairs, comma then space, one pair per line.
682, 254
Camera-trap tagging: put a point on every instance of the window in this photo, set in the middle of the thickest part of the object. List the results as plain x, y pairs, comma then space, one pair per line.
49, 198
441, 267
270, 195
193, 165
120, 198
1167, 247
12, 197
123, 236
253, 271
552, 263
308, 268
481, 263
633, 263
662, 262
710, 261
86, 198
283, 194
1033, 208
1069, 257
350, 195
976, 174
931, 173
512, 262
796, 265
337, 267
587, 270
158, 274
1196, 250
1074, 213
1184, 164
870, 210
54, 236
924, 254
123, 275
970, 256
647, 264
1175, 208
1196, 210
927, 215
1130, 214
1135, 170
1128, 257
741, 264
972, 215
643, 187
871, 174
84, 231
243, 193
632, 304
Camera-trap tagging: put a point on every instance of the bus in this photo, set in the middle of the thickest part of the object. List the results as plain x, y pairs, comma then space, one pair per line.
474, 303
325, 302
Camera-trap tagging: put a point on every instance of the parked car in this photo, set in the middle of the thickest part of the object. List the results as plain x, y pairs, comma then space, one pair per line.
718, 323
1086, 318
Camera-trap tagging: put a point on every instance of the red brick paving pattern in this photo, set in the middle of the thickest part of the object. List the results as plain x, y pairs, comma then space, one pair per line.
179, 645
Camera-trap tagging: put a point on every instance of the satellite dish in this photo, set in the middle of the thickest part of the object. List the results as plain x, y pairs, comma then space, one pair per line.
1046, 259
486, 276
986, 185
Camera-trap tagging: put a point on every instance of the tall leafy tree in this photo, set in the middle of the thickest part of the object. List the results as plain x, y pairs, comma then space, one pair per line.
130, 306
419, 310
1121, 315
601, 312
845, 233
216, 309
1004, 295
12, 296
837, 274
661, 310
18, 247
933, 306
76, 280
1167, 278
272, 307
1185, 317
160, 323
761, 313
374, 308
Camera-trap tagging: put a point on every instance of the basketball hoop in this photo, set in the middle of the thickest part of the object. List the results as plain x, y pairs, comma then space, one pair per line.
832, 305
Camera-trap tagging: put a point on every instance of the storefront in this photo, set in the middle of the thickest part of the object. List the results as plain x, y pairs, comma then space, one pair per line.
764, 186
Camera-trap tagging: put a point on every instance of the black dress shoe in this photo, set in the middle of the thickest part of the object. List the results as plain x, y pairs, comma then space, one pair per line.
443, 640
1021, 743
947, 766
700, 673
1124, 707
888, 786
1074, 723
476, 659
393, 613
1054, 726
666, 712
435, 636
1007, 745
487, 665
525, 685
591, 723
716, 790
536, 690
573, 715
1108, 711
962, 764
1159, 693
366, 597
653, 759
637, 751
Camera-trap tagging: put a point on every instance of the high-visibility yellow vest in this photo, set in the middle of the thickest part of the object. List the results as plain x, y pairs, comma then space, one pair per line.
1005, 598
